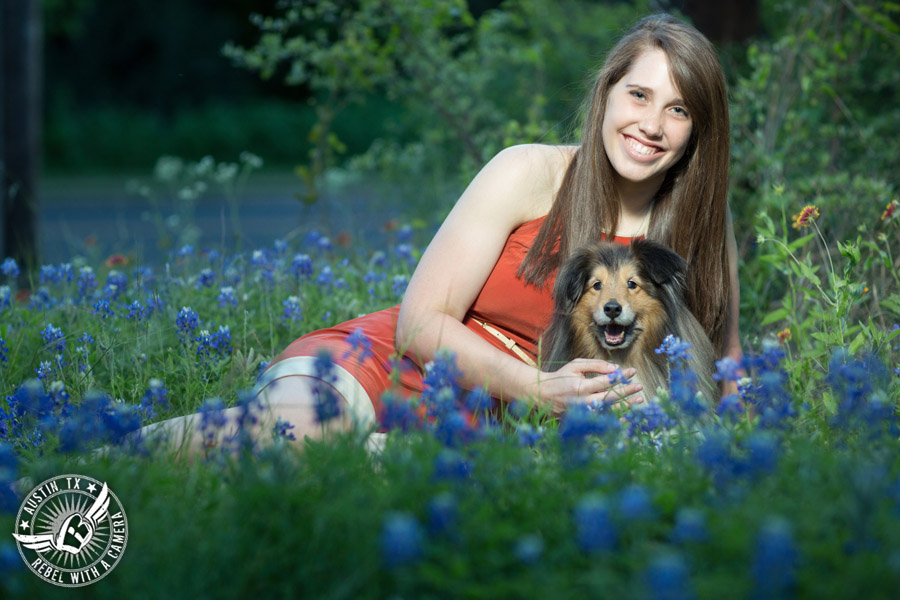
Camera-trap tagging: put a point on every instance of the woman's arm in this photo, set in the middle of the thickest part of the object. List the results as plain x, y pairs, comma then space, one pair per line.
732, 333
517, 185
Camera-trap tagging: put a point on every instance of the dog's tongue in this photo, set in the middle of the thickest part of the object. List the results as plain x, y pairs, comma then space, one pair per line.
614, 334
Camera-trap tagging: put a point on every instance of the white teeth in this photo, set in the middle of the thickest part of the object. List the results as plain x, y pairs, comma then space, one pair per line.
640, 148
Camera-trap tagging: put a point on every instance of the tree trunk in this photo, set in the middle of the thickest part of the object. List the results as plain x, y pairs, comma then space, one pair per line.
723, 22
20, 123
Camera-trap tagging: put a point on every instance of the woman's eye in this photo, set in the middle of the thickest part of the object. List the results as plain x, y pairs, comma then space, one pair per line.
682, 112
597, 286
631, 285
638, 95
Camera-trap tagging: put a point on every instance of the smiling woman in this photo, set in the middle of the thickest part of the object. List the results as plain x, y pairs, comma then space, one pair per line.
653, 162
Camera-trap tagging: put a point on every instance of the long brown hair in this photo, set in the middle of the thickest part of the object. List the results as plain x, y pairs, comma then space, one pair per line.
689, 211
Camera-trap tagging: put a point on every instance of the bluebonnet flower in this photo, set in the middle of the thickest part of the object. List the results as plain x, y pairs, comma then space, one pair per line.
5, 297
635, 503
380, 260
187, 320
156, 397
185, 251
618, 378
261, 367
48, 274
326, 277
774, 560
282, 430
142, 275
690, 526
730, 408
716, 454
212, 420
324, 244
667, 578
529, 548
117, 283
405, 234
280, 246
762, 452
449, 464
136, 311
97, 420
441, 390
302, 266
398, 414
479, 401
443, 513
4, 351
529, 435
683, 392
327, 404
206, 279
727, 369
87, 281
65, 272
401, 539
226, 296
580, 422
86, 338
855, 382
360, 345
594, 529
647, 418
54, 337
154, 303
249, 408
42, 299
10, 268
675, 349
213, 345
405, 253
312, 238
44, 369
398, 288
768, 390
103, 308
292, 311
9, 463
453, 429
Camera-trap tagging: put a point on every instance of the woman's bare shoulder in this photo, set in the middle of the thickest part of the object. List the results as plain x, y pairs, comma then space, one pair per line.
533, 173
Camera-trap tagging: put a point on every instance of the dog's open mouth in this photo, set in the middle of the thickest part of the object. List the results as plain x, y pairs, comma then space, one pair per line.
614, 334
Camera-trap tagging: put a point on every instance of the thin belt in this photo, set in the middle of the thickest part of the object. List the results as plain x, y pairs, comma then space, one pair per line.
508, 342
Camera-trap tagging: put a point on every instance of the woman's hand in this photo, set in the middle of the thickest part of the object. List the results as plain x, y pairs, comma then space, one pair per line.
583, 381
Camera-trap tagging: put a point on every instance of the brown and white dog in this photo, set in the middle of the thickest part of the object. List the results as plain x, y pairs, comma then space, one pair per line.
618, 303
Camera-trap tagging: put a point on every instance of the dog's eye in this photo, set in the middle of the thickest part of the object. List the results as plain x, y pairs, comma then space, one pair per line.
597, 286
631, 285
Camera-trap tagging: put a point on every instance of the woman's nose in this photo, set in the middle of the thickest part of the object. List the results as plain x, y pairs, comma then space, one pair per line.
651, 124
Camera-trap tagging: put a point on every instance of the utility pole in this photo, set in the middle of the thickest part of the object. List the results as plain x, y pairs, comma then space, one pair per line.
20, 127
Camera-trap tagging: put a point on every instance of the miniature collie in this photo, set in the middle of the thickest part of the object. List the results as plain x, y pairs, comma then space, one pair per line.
619, 303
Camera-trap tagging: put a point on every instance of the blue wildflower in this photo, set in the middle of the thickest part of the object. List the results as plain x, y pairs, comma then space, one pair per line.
116, 283
10, 268
675, 349
206, 279
398, 414
136, 311
443, 513
9, 463
87, 281
453, 429
282, 430
529, 435
212, 420
727, 369
647, 418
594, 529
326, 277
327, 403
4, 351
762, 452
449, 464
187, 320
401, 539
44, 370
690, 526
5, 297
42, 299
155, 398
185, 251
667, 578
635, 503
405, 234
103, 308
54, 338
48, 274
730, 408
324, 244
683, 392
774, 560
292, 311
618, 378
301, 266
398, 288
226, 296
405, 253
360, 345
581, 421
479, 401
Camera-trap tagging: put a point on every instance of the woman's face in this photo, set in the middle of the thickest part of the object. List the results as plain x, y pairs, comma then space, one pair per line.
646, 126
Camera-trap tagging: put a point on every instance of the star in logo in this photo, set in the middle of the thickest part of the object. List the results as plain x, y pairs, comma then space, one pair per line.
91, 488
24, 525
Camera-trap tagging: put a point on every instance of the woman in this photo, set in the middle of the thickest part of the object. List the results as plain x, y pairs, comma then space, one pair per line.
653, 162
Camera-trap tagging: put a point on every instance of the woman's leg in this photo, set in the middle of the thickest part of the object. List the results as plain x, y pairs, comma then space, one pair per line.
289, 399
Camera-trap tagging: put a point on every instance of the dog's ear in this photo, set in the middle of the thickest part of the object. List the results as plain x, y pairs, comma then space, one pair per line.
572, 277
660, 263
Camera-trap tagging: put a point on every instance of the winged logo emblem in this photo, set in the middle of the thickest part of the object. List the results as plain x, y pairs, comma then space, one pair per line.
76, 531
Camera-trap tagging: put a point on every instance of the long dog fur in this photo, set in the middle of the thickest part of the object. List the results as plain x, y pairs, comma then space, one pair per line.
656, 301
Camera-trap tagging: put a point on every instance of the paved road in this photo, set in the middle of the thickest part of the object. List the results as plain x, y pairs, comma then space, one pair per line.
97, 217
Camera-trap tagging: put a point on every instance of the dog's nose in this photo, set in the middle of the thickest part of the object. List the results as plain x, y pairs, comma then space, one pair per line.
612, 309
